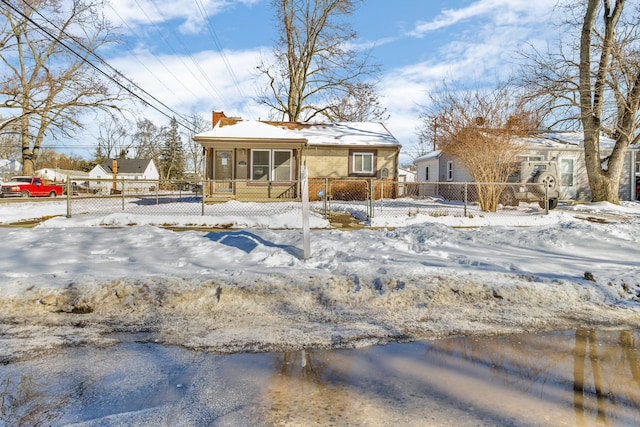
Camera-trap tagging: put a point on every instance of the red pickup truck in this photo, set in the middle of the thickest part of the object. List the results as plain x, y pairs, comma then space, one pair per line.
26, 186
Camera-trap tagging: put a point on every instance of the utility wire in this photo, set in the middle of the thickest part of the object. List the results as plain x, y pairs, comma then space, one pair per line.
157, 59
186, 49
101, 60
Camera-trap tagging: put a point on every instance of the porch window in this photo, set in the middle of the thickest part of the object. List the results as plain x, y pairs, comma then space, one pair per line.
363, 162
271, 165
282, 165
260, 160
566, 172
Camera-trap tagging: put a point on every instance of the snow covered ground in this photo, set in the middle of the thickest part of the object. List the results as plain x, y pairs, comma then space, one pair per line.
74, 281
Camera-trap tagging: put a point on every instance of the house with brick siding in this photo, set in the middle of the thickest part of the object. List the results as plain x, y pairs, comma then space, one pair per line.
262, 160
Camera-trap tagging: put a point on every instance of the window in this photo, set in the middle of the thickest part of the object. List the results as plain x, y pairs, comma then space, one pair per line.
426, 173
260, 160
281, 165
532, 158
362, 162
271, 165
450, 170
566, 172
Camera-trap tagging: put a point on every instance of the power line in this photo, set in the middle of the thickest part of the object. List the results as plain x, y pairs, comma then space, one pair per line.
100, 60
186, 49
158, 59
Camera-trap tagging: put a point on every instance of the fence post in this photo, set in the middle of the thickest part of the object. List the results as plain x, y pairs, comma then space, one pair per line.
465, 199
122, 191
371, 197
326, 197
157, 191
202, 196
306, 233
546, 199
68, 198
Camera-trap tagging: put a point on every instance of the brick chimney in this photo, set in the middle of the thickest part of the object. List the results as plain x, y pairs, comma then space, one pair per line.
215, 117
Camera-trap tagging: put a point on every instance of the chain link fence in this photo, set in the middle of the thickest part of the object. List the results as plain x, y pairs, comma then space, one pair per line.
367, 199
364, 199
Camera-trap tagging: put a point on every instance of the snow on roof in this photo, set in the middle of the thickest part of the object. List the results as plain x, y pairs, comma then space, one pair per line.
560, 139
550, 139
247, 129
430, 155
347, 133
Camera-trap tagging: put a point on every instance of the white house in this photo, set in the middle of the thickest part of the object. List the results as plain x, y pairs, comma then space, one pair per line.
62, 175
140, 169
125, 169
406, 176
9, 168
566, 148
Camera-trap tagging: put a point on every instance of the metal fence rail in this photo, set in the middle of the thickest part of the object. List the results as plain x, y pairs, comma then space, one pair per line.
362, 198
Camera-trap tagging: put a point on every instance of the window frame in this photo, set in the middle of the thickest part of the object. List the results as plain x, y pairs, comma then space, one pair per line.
449, 170
563, 174
363, 152
271, 167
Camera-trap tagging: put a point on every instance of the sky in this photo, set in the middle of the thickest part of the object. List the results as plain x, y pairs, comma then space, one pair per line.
197, 56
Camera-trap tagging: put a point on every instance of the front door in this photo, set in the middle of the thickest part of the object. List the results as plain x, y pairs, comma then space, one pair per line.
223, 171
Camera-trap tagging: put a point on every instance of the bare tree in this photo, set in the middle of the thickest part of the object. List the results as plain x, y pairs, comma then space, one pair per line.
113, 138
478, 128
360, 103
9, 144
147, 140
593, 79
193, 150
55, 160
316, 64
45, 76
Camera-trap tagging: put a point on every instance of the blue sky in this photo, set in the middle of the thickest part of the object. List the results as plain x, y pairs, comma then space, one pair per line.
200, 55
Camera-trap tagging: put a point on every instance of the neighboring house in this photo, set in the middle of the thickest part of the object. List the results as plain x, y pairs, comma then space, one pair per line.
62, 175
406, 176
125, 169
563, 147
261, 159
9, 168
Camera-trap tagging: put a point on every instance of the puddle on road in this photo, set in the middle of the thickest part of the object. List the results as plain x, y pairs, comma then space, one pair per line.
573, 378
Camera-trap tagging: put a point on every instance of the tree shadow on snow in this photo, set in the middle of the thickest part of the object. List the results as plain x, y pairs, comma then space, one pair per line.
247, 242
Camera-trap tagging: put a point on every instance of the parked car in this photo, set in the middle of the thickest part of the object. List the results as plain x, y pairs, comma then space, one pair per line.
637, 187
27, 186
538, 179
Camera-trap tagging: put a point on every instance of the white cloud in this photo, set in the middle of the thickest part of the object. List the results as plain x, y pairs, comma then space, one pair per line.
499, 12
196, 83
192, 13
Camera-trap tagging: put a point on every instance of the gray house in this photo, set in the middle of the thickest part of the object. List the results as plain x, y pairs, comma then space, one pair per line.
564, 147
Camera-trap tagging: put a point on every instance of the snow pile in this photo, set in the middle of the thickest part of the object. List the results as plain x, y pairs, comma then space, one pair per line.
249, 290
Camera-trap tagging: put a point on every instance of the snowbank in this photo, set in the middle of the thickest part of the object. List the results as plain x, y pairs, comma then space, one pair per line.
250, 290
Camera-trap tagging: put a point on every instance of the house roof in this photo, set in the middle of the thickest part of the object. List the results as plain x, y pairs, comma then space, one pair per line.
129, 166
559, 139
430, 155
549, 139
346, 133
68, 172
